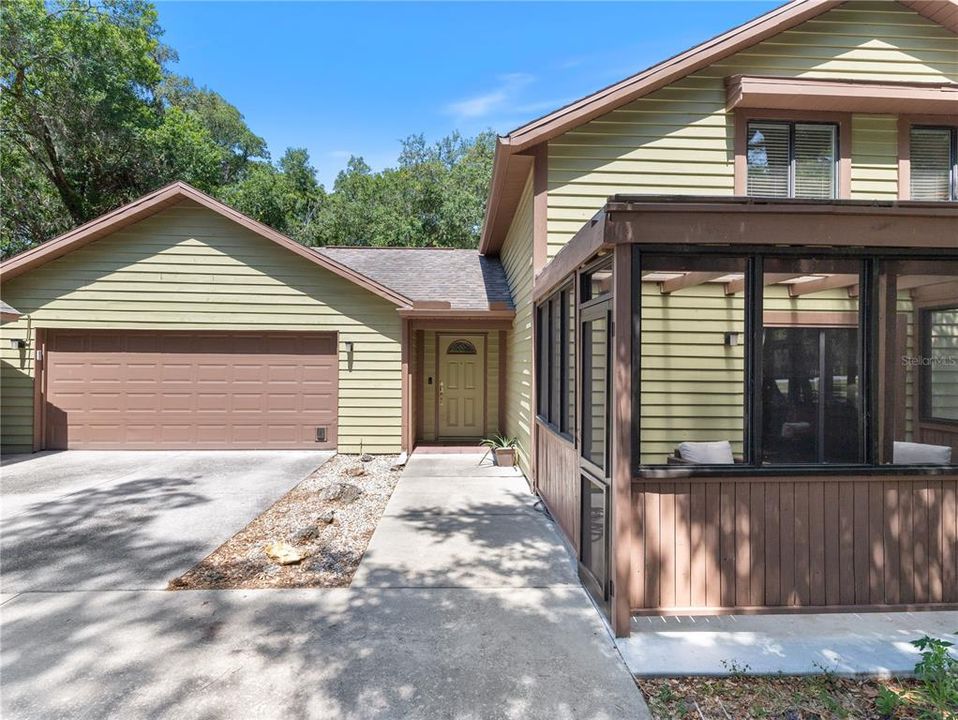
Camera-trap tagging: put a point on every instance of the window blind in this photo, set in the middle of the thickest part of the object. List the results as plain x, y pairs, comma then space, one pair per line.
768, 159
814, 161
930, 163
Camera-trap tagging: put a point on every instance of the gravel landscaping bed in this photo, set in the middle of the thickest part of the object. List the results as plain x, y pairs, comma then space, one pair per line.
314, 536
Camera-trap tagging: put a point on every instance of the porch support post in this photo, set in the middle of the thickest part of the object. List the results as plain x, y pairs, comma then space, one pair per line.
503, 381
622, 441
406, 385
883, 367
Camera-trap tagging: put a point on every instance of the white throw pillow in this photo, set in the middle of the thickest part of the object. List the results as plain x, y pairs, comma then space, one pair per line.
909, 453
707, 453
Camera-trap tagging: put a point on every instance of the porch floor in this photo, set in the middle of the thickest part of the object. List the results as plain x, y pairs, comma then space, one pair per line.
847, 644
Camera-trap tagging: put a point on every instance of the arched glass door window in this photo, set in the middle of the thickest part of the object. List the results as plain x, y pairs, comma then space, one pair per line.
461, 347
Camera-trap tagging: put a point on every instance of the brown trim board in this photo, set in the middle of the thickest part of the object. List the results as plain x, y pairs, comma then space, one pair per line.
860, 96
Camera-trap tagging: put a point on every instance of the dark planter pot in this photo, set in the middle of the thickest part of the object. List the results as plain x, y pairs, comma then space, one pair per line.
505, 457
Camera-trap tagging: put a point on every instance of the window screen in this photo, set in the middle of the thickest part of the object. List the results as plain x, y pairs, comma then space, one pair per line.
931, 164
792, 159
768, 159
814, 161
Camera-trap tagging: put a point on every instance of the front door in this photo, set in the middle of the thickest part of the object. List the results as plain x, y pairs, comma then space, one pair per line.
461, 394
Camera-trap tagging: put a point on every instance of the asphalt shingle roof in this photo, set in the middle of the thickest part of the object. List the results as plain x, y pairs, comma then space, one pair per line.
8, 310
463, 278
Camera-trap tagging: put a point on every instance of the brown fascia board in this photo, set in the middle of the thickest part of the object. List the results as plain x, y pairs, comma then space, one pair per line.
667, 72
439, 314
701, 220
784, 93
161, 199
943, 12
500, 206
509, 175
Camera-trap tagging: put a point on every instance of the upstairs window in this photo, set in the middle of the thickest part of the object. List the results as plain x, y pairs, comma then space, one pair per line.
934, 164
792, 159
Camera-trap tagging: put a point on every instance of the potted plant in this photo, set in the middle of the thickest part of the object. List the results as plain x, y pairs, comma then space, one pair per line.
503, 449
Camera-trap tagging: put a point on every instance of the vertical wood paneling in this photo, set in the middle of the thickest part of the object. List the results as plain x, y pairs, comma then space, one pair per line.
802, 545
949, 545
728, 557
815, 543
667, 540
757, 544
773, 577
849, 514
713, 547
876, 526
906, 543
743, 555
787, 545
699, 570
683, 545
558, 480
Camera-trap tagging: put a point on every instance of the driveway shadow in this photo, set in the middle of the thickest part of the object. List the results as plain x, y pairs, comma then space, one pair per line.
127, 535
349, 653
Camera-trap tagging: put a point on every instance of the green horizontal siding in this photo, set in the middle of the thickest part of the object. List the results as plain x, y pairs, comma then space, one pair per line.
516, 258
188, 268
679, 140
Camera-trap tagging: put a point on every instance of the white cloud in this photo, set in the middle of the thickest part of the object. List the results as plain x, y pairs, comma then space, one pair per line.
490, 102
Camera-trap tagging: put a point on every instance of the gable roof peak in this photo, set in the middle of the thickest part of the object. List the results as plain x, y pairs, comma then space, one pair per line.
521, 141
161, 199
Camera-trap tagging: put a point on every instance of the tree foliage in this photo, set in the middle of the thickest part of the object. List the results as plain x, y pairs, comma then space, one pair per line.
91, 117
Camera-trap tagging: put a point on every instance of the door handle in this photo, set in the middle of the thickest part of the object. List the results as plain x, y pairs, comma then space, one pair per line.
442, 387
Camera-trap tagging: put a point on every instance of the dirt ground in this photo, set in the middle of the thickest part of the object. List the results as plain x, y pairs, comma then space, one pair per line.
820, 697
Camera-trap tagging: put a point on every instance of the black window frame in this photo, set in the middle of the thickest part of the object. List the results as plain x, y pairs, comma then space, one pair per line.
791, 124
924, 371
552, 367
869, 327
952, 159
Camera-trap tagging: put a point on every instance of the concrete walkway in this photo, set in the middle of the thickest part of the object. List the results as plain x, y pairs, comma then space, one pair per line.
463, 532
466, 607
843, 643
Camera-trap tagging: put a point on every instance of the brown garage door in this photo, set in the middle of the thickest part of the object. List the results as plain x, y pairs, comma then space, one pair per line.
140, 390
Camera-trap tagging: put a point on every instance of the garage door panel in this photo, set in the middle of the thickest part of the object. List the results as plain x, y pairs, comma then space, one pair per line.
131, 389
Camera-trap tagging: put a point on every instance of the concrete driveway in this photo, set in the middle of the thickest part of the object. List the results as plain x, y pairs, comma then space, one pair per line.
466, 605
97, 520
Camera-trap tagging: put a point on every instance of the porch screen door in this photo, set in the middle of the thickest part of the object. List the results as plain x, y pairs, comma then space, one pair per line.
595, 471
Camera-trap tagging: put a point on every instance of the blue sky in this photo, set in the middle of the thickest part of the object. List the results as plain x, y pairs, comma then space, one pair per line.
355, 78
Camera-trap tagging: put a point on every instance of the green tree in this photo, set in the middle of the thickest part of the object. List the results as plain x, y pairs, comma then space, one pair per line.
77, 84
91, 118
225, 124
286, 196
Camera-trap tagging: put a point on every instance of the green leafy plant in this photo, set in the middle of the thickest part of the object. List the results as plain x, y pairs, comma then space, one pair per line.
936, 696
735, 669
887, 702
500, 442
938, 672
